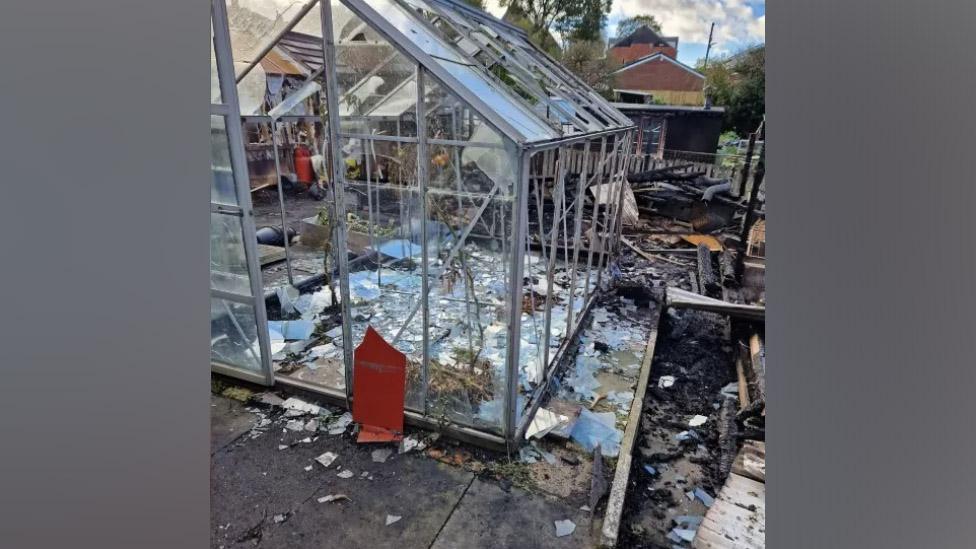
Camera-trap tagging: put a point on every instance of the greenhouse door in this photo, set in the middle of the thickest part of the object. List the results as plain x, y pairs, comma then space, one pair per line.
239, 344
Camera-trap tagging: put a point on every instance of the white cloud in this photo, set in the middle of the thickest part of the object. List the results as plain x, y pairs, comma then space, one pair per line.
760, 27
495, 8
735, 24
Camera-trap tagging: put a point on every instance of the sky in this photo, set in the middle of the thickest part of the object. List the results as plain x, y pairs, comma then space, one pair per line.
738, 23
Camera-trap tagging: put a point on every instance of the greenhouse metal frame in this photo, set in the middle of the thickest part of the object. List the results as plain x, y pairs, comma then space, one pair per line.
515, 194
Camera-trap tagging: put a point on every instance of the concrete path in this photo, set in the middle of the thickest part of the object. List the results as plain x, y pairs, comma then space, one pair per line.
228, 420
262, 496
491, 517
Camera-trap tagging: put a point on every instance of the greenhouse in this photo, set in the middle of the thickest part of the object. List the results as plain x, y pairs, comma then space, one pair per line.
431, 174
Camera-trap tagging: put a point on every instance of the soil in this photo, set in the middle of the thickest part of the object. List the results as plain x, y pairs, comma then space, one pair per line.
305, 262
298, 205
692, 347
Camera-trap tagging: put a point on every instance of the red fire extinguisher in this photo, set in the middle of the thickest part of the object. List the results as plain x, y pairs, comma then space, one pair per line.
303, 165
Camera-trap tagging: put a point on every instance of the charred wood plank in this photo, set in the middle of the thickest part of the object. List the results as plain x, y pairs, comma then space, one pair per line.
656, 174
706, 274
683, 299
727, 437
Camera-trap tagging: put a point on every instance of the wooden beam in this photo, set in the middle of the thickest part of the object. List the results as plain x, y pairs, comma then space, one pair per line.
683, 299
648, 256
270, 254
751, 461
757, 355
743, 386
706, 274
618, 490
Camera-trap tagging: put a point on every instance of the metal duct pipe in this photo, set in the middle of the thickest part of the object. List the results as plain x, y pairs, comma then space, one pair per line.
723, 187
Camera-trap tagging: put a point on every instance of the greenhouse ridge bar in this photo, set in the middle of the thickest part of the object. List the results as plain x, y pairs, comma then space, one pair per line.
472, 195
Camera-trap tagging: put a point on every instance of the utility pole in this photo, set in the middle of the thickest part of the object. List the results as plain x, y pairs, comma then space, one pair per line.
710, 43
708, 50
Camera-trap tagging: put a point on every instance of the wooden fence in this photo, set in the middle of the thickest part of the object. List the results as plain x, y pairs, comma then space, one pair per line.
714, 166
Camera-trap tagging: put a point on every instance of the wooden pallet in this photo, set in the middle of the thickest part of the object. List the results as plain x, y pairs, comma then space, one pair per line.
270, 254
737, 518
751, 461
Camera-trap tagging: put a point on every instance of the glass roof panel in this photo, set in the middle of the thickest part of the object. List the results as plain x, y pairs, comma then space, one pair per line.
598, 102
513, 51
526, 87
376, 83
517, 45
516, 87
471, 76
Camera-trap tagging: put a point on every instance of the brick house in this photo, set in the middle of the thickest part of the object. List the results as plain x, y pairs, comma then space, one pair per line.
651, 72
641, 43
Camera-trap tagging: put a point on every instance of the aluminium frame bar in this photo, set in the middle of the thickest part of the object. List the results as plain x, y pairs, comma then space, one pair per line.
281, 201
577, 230
482, 438
359, 186
557, 195
275, 39
535, 399
338, 188
570, 82
411, 139
616, 194
230, 370
525, 77
514, 54
604, 237
477, 65
553, 65
450, 256
520, 222
223, 55
369, 205
422, 163
603, 163
590, 244
624, 183
601, 223
479, 15
572, 139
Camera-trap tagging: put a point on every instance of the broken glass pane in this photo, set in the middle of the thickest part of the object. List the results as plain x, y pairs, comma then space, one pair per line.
234, 335
379, 162
470, 169
472, 77
385, 237
228, 261
469, 259
214, 80
450, 118
222, 177
377, 87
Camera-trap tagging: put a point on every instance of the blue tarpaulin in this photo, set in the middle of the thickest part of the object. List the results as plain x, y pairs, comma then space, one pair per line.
400, 249
292, 329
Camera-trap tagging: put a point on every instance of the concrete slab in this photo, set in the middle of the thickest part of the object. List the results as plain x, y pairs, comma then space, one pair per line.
228, 420
420, 491
491, 517
252, 481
